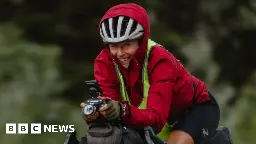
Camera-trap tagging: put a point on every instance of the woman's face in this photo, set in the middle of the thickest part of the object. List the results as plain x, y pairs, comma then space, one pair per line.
124, 51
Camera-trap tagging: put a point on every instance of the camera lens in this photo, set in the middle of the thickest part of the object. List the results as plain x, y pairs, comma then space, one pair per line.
89, 110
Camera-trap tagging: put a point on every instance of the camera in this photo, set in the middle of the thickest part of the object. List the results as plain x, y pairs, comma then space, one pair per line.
93, 104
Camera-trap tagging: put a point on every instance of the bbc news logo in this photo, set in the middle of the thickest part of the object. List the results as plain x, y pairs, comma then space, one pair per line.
36, 128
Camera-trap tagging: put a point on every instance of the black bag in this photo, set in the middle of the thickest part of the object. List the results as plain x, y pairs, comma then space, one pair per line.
222, 136
105, 133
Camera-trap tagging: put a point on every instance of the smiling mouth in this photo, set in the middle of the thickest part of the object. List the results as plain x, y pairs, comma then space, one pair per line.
123, 59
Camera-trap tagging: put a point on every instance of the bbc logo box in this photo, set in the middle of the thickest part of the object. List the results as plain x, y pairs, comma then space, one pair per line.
23, 128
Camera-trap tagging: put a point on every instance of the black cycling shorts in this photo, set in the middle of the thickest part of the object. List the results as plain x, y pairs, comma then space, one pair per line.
200, 122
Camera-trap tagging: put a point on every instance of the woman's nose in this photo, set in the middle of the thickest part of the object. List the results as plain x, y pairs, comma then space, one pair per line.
120, 52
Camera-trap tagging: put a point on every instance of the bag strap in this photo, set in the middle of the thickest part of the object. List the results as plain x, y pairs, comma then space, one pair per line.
194, 96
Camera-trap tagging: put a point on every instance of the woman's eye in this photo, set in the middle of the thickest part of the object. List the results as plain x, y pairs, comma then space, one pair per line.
127, 44
112, 46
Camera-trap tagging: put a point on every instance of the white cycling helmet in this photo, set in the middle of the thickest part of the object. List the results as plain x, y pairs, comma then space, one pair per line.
121, 28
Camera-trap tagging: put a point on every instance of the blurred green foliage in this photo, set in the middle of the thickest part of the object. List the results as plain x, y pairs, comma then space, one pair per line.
47, 50
30, 81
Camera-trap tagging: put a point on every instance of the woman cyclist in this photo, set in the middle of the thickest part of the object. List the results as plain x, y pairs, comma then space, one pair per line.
146, 85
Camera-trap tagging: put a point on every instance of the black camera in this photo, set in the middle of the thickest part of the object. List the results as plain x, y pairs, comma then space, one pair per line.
94, 103
92, 106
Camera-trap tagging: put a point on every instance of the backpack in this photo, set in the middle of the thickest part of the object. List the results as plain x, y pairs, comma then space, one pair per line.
106, 133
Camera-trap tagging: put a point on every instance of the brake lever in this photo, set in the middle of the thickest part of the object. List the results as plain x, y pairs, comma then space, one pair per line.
148, 138
153, 138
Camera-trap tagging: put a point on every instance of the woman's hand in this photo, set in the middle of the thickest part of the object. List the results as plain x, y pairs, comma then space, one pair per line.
111, 110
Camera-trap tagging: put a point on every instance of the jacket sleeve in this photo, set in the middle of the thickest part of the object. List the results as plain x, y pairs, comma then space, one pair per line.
162, 78
107, 83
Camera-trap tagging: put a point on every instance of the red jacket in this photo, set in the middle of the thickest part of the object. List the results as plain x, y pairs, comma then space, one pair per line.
171, 89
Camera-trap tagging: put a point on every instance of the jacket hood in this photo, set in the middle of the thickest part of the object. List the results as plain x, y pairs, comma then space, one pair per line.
139, 14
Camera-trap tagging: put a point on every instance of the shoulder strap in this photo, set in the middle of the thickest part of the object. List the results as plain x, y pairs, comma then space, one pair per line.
194, 96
